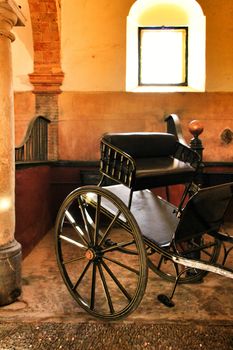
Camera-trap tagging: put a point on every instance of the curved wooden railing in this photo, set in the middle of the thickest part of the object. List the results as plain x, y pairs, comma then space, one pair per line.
35, 144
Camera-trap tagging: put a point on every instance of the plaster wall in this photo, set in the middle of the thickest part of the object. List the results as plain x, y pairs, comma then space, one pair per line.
24, 105
22, 51
92, 114
219, 44
93, 44
93, 101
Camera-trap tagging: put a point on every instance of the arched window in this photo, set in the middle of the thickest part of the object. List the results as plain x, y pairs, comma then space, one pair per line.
165, 46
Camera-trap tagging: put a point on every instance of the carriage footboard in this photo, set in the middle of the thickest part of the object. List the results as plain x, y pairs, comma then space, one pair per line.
215, 268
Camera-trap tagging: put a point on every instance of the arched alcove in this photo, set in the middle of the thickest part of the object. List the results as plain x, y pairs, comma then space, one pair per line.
167, 13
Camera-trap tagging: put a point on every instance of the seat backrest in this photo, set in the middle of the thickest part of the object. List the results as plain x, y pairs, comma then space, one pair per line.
174, 127
143, 145
122, 154
204, 212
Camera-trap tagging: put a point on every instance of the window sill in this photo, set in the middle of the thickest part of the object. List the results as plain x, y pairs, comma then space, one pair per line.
164, 89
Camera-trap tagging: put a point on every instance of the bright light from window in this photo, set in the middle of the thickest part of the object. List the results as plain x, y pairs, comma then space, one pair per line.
173, 59
5, 204
163, 56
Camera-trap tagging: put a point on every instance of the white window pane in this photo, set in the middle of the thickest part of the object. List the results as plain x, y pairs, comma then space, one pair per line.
162, 56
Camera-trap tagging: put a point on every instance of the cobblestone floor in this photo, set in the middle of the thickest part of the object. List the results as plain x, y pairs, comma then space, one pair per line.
84, 336
46, 317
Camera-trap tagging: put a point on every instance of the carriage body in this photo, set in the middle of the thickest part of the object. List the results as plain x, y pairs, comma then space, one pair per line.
107, 236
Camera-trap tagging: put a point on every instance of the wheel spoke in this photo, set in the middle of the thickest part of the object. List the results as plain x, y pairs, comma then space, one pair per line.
97, 219
160, 261
122, 265
72, 241
93, 286
117, 282
90, 222
118, 245
206, 246
76, 227
107, 293
100, 252
84, 217
73, 260
106, 233
81, 276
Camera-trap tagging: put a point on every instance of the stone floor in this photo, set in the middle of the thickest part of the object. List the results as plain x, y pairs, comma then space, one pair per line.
203, 314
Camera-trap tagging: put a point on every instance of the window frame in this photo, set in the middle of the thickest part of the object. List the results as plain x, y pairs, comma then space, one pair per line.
186, 30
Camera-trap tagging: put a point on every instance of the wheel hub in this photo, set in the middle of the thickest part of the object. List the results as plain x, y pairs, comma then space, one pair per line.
90, 254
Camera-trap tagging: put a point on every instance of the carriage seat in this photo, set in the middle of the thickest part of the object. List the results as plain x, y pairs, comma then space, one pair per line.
146, 160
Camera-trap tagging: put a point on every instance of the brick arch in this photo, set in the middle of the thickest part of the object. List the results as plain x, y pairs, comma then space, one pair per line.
45, 18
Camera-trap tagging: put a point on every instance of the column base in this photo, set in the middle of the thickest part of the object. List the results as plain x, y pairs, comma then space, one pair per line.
10, 272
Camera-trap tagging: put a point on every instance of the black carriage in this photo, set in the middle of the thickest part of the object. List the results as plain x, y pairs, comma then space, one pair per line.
107, 236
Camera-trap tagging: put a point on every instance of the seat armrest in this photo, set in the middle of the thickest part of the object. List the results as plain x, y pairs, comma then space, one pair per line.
116, 164
187, 155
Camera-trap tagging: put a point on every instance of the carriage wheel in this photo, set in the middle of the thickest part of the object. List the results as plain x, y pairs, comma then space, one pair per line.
206, 249
101, 253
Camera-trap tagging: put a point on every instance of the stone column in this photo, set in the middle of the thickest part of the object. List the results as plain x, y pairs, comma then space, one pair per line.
10, 249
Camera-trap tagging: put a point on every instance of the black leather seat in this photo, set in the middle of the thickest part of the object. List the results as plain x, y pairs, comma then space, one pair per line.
158, 159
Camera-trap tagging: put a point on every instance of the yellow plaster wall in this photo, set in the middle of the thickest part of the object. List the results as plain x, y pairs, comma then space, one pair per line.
22, 51
94, 101
219, 44
94, 44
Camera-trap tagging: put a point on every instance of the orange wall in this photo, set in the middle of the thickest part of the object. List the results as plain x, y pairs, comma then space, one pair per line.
94, 44
97, 103
219, 44
93, 99
24, 112
85, 116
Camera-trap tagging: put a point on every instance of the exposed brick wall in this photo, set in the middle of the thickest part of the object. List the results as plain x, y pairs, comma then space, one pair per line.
47, 76
46, 36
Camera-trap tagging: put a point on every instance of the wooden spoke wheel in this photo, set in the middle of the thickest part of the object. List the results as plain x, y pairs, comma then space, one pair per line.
100, 253
206, 248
